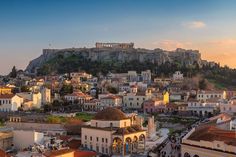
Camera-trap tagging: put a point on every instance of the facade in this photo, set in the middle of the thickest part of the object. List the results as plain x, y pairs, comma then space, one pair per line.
115, 45
80, 97
135, 100
112, 133
46, 95
146, 76
209, 142
93, 105
228, 107
162, 81
10, 102
6, 140
34, 97
132, 76
111, 101
202, 108
5, 90
25, 138
178, 76
205, 95
153, 106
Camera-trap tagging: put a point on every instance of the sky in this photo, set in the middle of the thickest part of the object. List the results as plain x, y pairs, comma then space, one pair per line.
28, 26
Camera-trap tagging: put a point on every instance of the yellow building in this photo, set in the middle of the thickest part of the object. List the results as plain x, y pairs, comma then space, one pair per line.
5, 90
166, 97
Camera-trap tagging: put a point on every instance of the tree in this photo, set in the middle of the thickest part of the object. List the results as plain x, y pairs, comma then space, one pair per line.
66, 89
112, 90
13, 72
202, 84
24, 89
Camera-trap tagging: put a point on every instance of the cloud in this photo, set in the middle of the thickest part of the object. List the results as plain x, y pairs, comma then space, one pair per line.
172, 44
224, 42
195, 25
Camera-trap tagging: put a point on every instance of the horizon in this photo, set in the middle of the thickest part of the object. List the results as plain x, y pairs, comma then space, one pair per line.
27, 27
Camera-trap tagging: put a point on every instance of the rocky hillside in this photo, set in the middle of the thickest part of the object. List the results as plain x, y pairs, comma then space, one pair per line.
155, 57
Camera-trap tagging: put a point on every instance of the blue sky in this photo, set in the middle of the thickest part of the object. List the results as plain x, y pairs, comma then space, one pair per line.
28, 26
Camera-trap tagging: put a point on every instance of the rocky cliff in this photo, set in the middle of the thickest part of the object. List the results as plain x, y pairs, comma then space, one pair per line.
156, 56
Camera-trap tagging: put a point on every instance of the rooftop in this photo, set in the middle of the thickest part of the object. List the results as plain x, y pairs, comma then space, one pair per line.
110, 114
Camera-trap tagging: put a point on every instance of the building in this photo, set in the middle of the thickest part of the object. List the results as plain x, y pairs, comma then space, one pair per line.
153, 106
115, 45
178, 76
162, 81
69, 153
46, 95
135, 100
6, 139
146, 76
228, 106
111, 101
205, 95
5, 90
93, 105
24, 138
200, 108
214, 139
113, 133
80, 97
132, 76
35, 98
10, 102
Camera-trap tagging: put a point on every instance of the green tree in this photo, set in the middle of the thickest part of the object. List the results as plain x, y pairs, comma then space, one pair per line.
66, 89
13, 72
112, 90
202, 84
24, 89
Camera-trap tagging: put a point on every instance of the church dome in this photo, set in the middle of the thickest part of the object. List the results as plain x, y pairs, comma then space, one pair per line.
110, 114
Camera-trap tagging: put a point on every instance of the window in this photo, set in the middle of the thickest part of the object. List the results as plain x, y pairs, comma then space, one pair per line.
96, 124
106, 140
97, 148
102, 149
85, 137
106, 150
137, 98
102, 139
97, 139
91, 138
91, 147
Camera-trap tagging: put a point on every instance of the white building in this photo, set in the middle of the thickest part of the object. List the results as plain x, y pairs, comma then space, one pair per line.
10, 102
78, 96
35, 97
210, 140
178, 76
146, 76
46, 95
203, 108
111, 101
135, 100
132, 76
228, 107
205, 95
25, 138
112, 133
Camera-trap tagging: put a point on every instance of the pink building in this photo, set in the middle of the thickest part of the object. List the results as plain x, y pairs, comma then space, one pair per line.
153, 106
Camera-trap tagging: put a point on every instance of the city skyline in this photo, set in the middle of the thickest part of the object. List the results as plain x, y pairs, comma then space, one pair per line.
26, 27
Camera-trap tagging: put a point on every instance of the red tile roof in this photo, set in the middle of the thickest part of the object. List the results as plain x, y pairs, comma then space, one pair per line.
7, 96
3, 153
